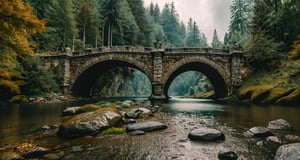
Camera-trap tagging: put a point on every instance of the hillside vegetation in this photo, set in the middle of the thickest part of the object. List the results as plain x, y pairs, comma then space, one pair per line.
278, 86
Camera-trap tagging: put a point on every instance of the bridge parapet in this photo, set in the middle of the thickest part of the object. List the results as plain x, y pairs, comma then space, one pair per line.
110, 49
197, 50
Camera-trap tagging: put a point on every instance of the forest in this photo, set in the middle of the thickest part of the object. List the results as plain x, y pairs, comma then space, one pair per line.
268, 30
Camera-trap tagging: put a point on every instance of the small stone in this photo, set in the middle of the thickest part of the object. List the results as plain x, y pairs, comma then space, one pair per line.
206, 134
136, 132
279, 124
70, 111
76, 149
260, 132
227, 154
274, 139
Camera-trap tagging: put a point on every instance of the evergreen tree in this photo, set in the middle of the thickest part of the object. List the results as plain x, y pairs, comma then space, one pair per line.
87, 22
170, 25
216, 43
261, 47
139, 12
194, 37
241, 13
61, 25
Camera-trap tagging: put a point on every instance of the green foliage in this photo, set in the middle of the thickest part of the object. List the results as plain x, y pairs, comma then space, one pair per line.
38, 79
261, 51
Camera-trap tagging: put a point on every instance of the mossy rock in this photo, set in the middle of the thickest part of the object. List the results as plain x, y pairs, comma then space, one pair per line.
89, 123
18, 99
88, 108
276, 94
245, 93
292, 98
261, 93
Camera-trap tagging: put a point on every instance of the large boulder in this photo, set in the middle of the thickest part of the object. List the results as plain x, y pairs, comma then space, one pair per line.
206, 134
90, 123
260, 132
288, 152
279, 124
146, 126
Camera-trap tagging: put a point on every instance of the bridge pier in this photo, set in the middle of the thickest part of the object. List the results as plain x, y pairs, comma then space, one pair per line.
158, 92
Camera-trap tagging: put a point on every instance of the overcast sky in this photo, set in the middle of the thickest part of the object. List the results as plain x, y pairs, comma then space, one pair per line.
208, 14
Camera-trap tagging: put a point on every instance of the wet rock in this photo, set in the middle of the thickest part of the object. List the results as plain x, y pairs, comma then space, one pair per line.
146, 126
260, 143
76, 149
288, 152
279, 124
227, 154
136, 112
90, 123
36, 152
274, 139
70, 111
260, 132
291, 138
206, 134
128, 121
128, 103
136, 132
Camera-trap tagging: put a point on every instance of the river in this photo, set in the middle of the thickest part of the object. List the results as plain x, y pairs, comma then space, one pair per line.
18, 123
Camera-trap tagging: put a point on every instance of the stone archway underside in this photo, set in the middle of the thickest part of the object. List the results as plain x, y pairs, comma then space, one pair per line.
84, 82
215, 77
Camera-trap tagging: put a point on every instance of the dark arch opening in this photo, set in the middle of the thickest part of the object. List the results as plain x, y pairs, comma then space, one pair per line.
83, 84
211, 73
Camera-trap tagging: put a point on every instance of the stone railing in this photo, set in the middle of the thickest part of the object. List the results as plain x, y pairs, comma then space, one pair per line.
197, 50
110, 49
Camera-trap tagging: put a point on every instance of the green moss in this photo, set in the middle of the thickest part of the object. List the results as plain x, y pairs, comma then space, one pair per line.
113, 130
88, 108
277, 93
260, 93
114, 121
292, 98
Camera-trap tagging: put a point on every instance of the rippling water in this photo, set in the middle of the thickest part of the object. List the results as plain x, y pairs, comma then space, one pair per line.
181, 115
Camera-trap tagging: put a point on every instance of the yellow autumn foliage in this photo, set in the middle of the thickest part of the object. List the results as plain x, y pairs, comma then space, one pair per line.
17, 23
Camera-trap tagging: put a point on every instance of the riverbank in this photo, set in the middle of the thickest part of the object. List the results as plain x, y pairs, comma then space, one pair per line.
278, 85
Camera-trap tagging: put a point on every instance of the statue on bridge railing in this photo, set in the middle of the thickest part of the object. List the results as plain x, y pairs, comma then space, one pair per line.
158, 44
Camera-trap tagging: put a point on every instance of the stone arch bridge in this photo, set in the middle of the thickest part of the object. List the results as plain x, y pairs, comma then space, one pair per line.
81, 69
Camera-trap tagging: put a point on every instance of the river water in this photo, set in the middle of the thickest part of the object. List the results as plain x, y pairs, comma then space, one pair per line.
18, 123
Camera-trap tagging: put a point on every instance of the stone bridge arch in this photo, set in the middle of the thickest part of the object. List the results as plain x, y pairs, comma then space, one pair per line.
84, 76
218, 75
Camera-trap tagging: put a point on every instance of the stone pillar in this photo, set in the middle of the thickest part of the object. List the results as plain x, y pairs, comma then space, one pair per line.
64, 65
157, 79
236, 73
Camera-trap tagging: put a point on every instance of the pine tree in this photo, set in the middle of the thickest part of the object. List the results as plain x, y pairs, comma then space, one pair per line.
139, 12
216, 43
261, 47
17, 24
87, 22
